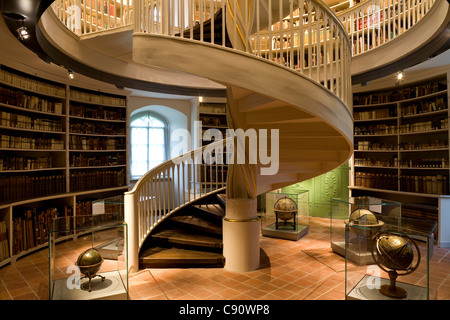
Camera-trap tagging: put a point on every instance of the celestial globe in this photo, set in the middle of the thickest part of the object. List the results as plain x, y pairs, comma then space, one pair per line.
285, 208
394, 252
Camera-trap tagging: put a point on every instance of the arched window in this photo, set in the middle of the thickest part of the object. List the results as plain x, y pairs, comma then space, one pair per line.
148, 142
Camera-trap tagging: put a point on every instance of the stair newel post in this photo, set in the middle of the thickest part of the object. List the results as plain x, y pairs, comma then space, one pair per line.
132, 221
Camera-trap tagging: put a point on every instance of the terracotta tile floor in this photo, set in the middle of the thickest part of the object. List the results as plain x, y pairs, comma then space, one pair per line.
293, 270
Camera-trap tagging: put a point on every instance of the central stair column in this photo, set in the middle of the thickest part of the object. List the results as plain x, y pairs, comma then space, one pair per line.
241, 225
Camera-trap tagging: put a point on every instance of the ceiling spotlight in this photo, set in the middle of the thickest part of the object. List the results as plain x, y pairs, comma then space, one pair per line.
70, 74
23, 33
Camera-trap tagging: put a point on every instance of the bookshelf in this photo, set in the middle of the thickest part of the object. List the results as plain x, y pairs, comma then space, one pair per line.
61, 147
401, 138
213, 116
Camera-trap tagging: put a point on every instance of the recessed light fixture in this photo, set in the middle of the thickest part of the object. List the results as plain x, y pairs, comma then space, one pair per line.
70, 74
23, 33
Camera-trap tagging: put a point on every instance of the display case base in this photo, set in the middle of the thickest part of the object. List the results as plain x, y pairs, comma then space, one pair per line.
364, 291
112, 288
285, 232
359, 258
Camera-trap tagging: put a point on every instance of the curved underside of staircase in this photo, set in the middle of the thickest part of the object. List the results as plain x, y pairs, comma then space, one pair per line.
315, 126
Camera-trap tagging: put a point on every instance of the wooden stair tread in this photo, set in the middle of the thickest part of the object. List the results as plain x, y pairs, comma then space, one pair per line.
158, 257
178, 253
181, 236
214, 210
198, 223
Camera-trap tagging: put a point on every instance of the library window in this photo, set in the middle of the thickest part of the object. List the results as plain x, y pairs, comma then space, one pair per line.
148, 142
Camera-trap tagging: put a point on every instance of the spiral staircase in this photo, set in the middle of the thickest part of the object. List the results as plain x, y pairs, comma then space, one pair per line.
309, 107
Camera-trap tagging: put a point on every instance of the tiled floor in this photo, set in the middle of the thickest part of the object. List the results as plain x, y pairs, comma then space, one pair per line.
296, 270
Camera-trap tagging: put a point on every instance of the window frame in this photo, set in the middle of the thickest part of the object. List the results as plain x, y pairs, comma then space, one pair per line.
148, 113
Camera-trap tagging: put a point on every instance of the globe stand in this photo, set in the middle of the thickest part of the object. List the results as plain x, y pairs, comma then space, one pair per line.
90, 279
392, 290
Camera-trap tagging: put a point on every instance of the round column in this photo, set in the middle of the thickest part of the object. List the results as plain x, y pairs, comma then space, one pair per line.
241, 235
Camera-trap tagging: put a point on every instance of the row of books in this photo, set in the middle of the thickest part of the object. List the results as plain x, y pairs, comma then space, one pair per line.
97, 128
4, 241
375, 130
429, 163
25, 163
366, 145
373, 162
98, 179
26, 82
397, 95
376, 180
36, 143
213, 121
375, 114
423, 126
31, 228
97, 98
19, 99
20, 187
425, 163
82, 160
97, 112
88, 143
429, 184
25, 122
420, 213
212, 108
424, 145
424, 107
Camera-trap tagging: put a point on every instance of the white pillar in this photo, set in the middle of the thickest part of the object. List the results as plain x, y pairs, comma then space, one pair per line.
132, 238
241, 235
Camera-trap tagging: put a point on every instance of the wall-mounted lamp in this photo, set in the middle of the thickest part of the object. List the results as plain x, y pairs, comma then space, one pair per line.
70, 74
400, 76
200, 99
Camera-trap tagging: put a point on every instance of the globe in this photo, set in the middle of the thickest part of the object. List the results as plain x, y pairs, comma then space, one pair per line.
89, 262
363, 217
394, 252
285, 208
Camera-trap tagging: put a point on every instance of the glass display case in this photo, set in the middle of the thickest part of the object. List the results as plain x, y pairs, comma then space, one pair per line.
93, 265
285, 215
360, 211
115, 204
402, 267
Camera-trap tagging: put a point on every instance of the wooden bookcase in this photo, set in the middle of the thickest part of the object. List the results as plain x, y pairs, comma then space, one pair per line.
401, 140
213, 116
61, 147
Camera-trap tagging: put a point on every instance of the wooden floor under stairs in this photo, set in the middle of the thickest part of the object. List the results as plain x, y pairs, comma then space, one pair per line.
190, 238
